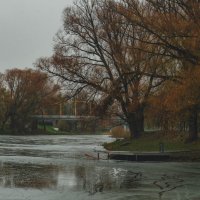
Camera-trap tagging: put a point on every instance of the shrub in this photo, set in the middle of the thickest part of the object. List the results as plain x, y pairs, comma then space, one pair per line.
120, 132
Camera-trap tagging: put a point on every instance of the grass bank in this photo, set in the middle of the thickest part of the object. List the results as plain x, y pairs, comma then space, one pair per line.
150, 141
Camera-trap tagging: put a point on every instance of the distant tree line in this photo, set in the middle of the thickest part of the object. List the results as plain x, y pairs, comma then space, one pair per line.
24, 93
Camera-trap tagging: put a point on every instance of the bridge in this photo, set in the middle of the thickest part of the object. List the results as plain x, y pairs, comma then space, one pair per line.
110, 121
64, 117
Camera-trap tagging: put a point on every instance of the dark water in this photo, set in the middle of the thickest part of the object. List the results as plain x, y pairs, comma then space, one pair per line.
58, 168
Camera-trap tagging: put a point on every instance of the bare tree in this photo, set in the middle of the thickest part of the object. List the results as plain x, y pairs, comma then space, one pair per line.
97, 52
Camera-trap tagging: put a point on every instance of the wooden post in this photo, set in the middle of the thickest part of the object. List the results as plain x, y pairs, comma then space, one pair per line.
108, 156
161, 145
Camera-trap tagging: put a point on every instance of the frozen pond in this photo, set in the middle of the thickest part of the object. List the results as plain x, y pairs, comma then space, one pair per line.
56, 168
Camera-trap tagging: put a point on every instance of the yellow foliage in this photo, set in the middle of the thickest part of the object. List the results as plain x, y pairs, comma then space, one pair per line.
119, 132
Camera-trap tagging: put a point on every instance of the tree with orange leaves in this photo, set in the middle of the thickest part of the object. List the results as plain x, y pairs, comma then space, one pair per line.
26, 91
174, 26
97, 53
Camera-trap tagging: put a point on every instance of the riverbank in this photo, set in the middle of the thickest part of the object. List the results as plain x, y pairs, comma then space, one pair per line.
172, 143
176, 156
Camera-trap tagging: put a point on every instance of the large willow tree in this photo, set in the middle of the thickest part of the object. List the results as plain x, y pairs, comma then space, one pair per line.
174, 26
97, 52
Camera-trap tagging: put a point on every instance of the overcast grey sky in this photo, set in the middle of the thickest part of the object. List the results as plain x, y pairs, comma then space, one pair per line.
27, 28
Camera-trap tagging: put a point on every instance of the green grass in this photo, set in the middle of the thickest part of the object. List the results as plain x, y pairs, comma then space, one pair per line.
48, 128
51, 131
151, 142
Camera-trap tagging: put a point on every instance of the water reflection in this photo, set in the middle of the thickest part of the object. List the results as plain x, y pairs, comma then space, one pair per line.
94, 180
88, 178
55, 168
13, 175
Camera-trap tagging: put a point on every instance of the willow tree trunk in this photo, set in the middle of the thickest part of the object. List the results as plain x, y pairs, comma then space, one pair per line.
136, 122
